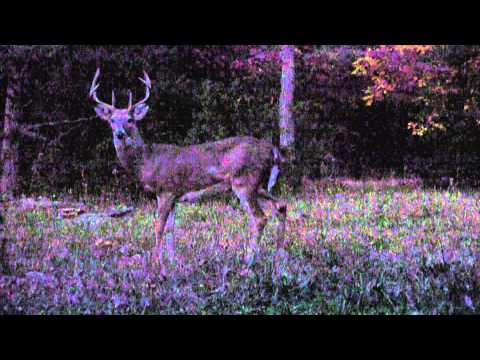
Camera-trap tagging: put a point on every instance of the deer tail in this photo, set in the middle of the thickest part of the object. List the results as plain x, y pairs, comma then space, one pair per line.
277, 156
272, 180
277, 160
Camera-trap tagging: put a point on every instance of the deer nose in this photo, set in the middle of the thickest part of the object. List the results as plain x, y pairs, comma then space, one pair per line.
120, 135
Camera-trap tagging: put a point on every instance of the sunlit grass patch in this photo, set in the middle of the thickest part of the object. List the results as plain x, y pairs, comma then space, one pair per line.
381, 248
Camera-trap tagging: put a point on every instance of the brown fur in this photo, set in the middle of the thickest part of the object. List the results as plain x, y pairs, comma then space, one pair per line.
239, 164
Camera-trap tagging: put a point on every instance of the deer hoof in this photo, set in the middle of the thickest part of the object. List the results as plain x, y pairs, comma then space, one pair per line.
281, 254
249, 256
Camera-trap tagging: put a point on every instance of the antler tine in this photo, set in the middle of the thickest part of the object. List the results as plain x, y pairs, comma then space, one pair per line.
93, 90
148, 84
129, 99
146, 80
95, 78
113, 98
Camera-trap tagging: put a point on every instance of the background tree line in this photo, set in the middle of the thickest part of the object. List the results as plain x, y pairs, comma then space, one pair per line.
357, 110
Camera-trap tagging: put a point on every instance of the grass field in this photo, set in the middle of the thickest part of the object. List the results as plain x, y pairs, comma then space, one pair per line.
354, 247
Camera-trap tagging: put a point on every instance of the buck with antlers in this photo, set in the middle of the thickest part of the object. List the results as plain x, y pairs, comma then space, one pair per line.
186, 174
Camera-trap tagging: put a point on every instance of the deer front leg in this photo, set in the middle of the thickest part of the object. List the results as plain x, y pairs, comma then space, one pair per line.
257, 219
165, 204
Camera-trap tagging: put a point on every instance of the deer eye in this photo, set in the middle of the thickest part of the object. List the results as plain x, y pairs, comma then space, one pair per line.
130, 120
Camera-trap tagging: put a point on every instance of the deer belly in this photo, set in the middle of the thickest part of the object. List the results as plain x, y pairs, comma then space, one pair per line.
179, 180
148, 188
219, 173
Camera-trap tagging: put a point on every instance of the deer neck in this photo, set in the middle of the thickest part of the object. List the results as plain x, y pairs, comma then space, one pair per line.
131, 154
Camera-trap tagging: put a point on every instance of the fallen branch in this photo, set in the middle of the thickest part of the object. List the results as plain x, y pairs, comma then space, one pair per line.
115, 213
28, 204
70, 213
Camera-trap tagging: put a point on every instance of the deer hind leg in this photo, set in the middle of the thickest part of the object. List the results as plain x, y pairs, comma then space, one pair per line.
279, 210
257, 219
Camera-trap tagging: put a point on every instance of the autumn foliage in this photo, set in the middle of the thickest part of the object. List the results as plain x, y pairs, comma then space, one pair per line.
408, 73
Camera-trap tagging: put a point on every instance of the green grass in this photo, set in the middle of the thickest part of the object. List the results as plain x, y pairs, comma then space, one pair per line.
331, 230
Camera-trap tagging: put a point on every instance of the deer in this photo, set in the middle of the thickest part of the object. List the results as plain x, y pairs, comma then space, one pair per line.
240, 165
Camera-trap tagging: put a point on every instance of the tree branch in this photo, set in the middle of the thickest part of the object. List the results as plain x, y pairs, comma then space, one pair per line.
26, 129
58, 138
36, 126
31, 134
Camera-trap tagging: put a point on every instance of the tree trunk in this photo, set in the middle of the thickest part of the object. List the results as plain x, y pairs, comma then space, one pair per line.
4, 268
9, 151
287, 123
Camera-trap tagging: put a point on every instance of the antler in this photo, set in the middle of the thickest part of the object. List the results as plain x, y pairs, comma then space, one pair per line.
93, 91
148, 86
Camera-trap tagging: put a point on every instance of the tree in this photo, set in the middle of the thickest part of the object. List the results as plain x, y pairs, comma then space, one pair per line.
263, 62
413, 74
9, 151
18, 62
286, 121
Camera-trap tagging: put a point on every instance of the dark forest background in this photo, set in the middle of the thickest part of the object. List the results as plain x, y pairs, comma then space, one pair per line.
199, 94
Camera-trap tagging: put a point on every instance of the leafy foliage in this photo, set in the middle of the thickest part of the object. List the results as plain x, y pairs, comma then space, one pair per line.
355, 104
409, 73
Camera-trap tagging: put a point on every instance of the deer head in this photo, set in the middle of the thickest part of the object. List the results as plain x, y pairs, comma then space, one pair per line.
122, 121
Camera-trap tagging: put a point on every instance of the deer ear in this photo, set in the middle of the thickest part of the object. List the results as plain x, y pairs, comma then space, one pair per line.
140, 111
103, 112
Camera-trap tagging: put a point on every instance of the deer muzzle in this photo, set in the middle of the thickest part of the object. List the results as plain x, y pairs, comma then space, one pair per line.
120, 134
